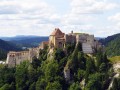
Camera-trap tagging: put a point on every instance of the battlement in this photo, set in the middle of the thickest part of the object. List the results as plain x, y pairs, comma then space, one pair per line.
18, 53
57, 39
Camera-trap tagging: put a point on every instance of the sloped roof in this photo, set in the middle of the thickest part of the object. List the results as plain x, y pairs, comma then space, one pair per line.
57, 30
45, 42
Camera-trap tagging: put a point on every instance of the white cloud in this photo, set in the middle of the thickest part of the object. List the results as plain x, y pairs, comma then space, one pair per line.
26, 17
89, 16
38, 17
82, 11
115, 18
91, 6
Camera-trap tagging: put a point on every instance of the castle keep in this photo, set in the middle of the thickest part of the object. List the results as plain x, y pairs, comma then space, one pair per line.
57, 39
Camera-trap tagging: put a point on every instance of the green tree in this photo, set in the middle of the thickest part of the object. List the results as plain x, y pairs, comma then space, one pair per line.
21, 76
75, 86
80, 74
32, 74
36, 63
54, 86
41, 84
5, 87
94, 82
50, 69
59, 54
32, 86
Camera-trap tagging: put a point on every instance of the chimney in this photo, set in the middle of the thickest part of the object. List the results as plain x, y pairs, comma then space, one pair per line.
71, 32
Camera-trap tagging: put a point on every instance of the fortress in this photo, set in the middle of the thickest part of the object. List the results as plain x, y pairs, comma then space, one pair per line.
57, 39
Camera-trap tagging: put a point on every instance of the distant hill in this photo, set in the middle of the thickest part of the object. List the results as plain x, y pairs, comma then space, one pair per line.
26, 41
6, 46
112, 44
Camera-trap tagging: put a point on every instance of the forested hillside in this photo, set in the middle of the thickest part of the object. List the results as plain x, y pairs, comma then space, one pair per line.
3, 54
112, 44
87, 72
30, 42
26, 41
5, 47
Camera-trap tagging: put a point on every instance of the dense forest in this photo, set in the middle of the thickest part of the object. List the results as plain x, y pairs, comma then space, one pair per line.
112, 44
87, 72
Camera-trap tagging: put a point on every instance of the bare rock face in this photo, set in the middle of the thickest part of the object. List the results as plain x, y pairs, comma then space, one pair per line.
116, 68
67, 74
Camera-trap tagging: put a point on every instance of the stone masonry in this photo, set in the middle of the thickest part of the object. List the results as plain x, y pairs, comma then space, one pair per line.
57, 39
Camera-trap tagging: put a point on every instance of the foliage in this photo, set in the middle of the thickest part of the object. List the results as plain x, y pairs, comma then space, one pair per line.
3, 54
7, 46
86, 72
59, 54
54, 86
112, 44
75, 86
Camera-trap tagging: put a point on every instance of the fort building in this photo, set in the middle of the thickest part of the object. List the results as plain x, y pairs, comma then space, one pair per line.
57, 39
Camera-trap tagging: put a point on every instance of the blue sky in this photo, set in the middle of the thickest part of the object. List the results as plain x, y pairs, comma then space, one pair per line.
40, 17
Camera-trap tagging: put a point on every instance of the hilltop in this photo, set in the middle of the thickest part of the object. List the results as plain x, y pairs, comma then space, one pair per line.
60, 64
112, 44
26, 41
6, 46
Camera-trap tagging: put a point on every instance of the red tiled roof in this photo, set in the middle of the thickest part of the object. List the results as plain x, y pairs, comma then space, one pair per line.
45, 42
57, 30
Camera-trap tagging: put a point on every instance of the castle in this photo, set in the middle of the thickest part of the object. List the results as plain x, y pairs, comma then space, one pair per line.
15, 58
57, 39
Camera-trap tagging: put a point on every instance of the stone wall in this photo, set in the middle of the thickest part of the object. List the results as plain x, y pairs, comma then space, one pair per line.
44, 44
69, 38
56, 40
87, 48
15, 58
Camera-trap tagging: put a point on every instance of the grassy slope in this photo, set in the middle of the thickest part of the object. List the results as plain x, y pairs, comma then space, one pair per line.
115, 59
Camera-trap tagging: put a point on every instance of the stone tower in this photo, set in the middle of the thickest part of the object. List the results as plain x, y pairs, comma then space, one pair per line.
56, 39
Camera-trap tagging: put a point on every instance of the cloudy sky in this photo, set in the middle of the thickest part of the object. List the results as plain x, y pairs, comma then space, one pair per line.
40, 17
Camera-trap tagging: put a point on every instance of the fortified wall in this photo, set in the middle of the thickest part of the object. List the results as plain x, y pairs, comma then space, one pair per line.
57, 39
15, 58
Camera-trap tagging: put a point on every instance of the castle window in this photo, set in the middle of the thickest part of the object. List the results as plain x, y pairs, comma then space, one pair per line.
60, 45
